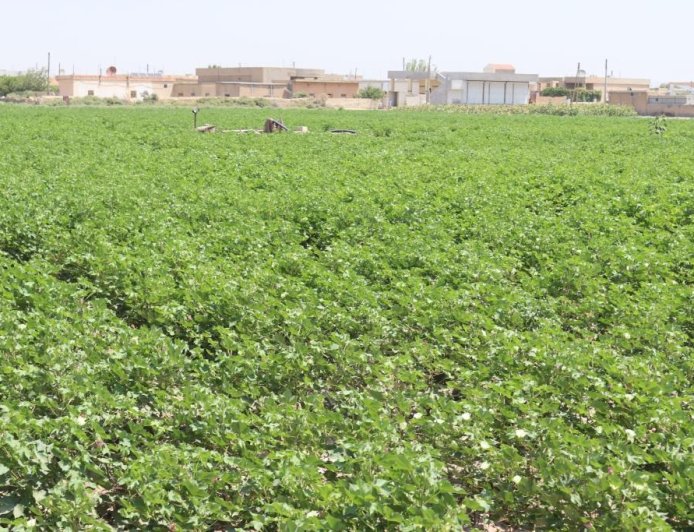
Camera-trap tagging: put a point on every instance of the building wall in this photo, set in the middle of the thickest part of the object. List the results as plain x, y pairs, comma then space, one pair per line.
654, 109
549, 100
328, 89
228, 90
639, 100
193, 90
255, 74
474, 92
597, 83
353, 103
122, 87
260, 91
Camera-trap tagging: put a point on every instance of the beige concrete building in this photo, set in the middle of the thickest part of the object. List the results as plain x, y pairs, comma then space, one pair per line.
251, 82
325, 88
496, 68
265, 75
228, 89
680, 87
646, 104
410, 89
122, 86
594, 83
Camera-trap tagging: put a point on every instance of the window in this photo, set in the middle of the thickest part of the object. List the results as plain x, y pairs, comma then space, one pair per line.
166, 85
90, 93
192, 94
330, 95
227, 95
343, 96
180, 94
207, 94
133, 94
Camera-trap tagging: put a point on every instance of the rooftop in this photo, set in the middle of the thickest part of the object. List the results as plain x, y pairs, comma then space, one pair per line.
499, 67
489, 76
121, 77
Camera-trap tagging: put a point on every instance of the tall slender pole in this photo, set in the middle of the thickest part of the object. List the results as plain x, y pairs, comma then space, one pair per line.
48, 75
576, 82
428, 87
604, 94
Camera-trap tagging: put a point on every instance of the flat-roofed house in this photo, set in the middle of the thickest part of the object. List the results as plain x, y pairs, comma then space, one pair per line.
254, 82
114, 85
483, 88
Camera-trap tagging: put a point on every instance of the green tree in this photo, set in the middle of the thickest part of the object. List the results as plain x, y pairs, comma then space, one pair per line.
555, 91
418, 65
31, 80
373, 93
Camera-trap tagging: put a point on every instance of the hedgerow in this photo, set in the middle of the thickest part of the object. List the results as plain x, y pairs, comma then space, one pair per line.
581, 109
441, 321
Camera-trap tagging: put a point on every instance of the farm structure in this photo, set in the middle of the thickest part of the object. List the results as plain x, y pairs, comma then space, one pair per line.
475, 88
329, 88
113, 85
614, 84
498, 85
647, 104
255, 82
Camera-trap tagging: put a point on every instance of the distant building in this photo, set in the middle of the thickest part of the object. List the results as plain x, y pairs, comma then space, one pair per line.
268, 75
484, 88
381, 84
594, 83
255, 82
680, 87
653, 105
325, 88
497, 85
114, 85
410, 89
495, 68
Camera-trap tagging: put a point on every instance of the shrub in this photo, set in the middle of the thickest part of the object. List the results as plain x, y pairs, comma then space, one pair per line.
150, 98
373, 93
555, 91
32, 80
585, 95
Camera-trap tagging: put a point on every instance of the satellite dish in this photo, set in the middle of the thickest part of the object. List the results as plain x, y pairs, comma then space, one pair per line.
111, 71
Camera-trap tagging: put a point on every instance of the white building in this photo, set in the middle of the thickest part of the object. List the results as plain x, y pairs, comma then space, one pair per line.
498, 85
482, 88
113, 85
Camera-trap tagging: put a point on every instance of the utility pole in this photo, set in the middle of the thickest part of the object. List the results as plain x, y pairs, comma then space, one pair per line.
604, 94
48, 75
428, 86
576, 82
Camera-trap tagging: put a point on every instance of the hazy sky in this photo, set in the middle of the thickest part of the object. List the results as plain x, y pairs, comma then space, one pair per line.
641, 38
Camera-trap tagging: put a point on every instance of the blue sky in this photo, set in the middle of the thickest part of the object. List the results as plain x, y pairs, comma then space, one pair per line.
537, 36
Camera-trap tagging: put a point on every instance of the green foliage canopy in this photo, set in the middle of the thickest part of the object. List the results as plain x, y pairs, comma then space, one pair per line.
440, 322
373, 93
32, 80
